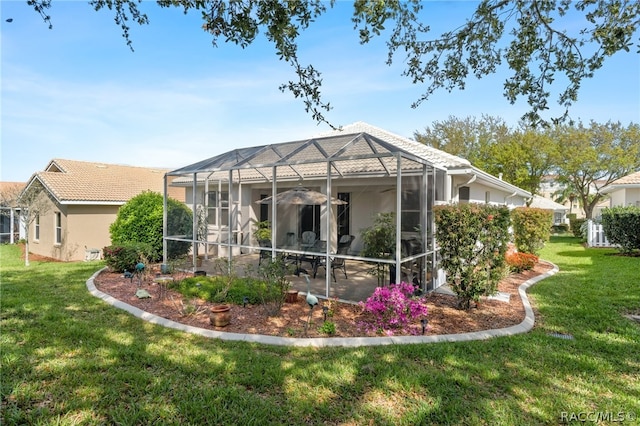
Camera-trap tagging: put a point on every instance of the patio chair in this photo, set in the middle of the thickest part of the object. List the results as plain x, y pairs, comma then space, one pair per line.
308, 239
336, 263
264, 254
345, 241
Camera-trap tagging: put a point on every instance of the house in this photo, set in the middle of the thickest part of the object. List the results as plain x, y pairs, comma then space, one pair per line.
624, 191
559, 210
363, 170
11, 223
79, 201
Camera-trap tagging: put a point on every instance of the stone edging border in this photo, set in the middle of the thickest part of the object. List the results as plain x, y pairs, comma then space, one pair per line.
525, 326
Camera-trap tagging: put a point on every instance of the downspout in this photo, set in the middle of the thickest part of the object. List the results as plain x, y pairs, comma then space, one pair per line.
469, 182
509, 196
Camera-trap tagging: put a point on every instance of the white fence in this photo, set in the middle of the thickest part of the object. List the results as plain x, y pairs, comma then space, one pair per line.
595, 235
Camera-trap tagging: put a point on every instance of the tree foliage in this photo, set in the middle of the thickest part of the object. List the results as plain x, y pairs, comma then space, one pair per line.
140, 220
473, 241
540, 40
594, 156
521, 156
531, 228
586, 159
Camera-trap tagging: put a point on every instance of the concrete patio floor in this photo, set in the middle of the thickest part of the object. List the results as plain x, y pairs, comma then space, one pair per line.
358, 285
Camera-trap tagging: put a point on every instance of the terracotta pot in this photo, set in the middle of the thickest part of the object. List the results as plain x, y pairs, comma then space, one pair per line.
220, 315
292, 296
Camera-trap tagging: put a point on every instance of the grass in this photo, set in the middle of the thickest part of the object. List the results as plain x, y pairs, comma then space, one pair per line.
68, 358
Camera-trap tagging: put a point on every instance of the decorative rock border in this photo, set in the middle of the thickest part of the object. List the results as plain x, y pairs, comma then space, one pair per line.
525, 326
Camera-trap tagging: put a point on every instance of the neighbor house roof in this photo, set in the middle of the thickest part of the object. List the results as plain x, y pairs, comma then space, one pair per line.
629, 181
546, 203
9, 191
81, 182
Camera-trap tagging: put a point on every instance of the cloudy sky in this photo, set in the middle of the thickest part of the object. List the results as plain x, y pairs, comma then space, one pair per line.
78, 92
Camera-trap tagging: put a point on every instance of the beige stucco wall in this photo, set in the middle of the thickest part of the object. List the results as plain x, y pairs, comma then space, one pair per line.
82, 227
44, 245
625, 197
88, 227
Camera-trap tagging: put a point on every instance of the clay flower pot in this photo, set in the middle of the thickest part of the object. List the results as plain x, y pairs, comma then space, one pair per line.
291, 296
220, 315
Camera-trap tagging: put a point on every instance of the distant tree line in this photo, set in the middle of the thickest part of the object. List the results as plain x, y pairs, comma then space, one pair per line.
584, 158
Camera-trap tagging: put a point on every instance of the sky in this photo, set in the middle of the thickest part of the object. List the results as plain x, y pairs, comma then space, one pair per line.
78, 92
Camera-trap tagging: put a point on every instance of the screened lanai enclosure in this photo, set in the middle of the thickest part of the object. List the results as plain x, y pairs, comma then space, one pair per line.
315, 200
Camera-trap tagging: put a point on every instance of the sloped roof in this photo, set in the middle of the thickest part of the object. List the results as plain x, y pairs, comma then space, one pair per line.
8, 192
629, 181
355, 150
11, 186
435, 156
80, 182
632, 179
546, 203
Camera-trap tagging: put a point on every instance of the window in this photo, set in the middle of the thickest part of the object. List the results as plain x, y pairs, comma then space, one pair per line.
487, 197
37, 228
218, 208
464, 194
557, 218
58, 228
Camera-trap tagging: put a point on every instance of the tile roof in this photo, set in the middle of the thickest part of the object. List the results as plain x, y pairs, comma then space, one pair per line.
356, 149
435, 156
72, 181
632, 179
546, 203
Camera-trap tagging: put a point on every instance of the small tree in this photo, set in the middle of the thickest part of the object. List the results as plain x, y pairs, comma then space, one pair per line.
32, 202
473, 242
531, 228
140, 220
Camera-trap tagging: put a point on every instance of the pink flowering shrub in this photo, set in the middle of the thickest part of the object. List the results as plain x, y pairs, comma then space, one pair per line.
394, 308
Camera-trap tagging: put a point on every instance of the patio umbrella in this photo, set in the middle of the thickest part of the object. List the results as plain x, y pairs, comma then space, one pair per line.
303, 196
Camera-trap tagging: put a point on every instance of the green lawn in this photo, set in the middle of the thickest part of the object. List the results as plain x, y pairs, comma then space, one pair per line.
68, 358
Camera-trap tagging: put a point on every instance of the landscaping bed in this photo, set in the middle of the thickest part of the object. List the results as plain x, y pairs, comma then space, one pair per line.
444, 316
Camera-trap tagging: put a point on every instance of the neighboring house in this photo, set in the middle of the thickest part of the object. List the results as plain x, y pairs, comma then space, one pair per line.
82, 200
559, 210
364, 169
11, 224
551, 189
624, 191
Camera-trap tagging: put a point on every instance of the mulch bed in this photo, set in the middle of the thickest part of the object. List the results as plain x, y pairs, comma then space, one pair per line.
444, 316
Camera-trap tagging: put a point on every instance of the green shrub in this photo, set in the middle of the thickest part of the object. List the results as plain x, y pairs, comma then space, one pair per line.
473, 242
219, 289
328, 328
121, 257
560, 228
531, 228
576, 228
621, 225
519, 262
140, 221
